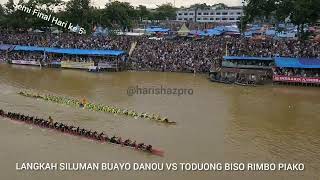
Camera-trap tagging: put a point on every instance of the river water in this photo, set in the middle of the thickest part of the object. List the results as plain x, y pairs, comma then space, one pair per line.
218, 123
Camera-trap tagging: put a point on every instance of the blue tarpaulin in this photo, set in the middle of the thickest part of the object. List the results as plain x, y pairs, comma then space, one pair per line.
270, 32
84, 52
214, 32
28, 48
196, 32
157, 29
229, 58
5, 47
308, 63
70, 51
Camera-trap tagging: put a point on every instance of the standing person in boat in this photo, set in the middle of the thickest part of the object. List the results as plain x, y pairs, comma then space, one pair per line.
50, 120
83, 102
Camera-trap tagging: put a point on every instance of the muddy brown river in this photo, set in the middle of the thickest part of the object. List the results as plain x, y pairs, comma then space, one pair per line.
218, 123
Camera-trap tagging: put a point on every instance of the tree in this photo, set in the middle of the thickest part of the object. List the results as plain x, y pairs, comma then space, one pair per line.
47, 5
299, 12
143, 12
2, 16
119, 14
165, 12
1, 11
259, 9
220, 6
78, 12
200, 6
9, 7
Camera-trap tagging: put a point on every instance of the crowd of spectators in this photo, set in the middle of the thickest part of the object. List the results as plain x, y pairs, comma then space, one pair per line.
294, 72
2, 56
184, 55
25, 56
66, 40
178, 54
273, 47
48, 58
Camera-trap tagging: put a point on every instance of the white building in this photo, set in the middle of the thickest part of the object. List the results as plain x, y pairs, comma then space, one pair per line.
212, 14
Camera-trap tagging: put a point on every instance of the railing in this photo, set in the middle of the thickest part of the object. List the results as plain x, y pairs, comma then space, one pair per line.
26, 62
231, 65
76, 65
107, 65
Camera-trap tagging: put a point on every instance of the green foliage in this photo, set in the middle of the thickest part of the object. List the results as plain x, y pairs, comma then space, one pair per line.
119, 14
299, 12
143, 12
165, 12
47, 5
115, 15
9, 7
2, 16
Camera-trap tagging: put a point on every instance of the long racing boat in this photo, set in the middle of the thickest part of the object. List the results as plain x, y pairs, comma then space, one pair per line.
96, 107
80, 132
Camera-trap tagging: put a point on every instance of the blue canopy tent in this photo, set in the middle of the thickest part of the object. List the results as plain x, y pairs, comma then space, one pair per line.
117, 54
231, 29
270, 32
214, 32
91, 52
29, 48
85, 52
307, 63
220, 28
197, 33
157, 29
6, 47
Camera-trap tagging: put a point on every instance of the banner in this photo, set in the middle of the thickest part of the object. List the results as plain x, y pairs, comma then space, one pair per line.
24, 62
76, 65
314, 80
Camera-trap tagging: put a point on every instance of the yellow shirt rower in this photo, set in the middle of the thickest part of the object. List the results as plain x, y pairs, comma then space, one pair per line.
83, 102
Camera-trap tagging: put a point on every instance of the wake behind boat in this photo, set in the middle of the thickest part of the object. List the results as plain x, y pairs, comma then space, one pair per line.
81, 132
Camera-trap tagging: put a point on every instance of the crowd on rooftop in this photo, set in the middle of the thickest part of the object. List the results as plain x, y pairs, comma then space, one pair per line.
294, 72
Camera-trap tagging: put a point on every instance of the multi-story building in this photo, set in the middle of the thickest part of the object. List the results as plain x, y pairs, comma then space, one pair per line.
211, 14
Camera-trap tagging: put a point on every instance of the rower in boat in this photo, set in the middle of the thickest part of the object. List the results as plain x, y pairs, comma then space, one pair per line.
134, 114
106, 138
153, 117
134, 144
127, 142
141, 115
125, 112
113, 139
83, 102
100, 136
149, 148
119, 140
141, 146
